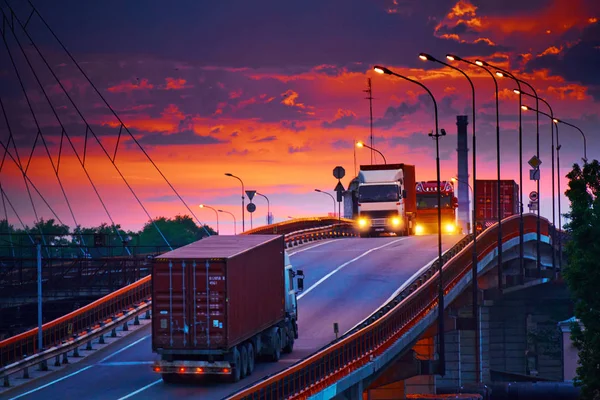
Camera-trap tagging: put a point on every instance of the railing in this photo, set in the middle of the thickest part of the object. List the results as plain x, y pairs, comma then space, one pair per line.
106, 309
332, 363
298, 224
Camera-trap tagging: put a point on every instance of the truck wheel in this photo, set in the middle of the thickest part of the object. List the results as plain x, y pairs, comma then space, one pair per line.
289, 347
250, 351
276, 348
235, 370
243, 361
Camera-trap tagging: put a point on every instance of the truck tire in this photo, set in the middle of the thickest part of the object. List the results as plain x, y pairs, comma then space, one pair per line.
169, 378
289, 345
243, 361
276, 355
250, 351
235, 370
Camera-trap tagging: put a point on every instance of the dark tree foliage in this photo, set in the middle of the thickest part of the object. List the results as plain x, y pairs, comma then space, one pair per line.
582, 273
179, 231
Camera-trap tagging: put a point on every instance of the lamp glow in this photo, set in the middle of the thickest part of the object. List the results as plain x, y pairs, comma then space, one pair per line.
423, 57
555, 121
517, 91
379, 70
419, 230
451, 57
480, 63
450, 228
525, 108
362, 222
396, 221
500, 74
359, 144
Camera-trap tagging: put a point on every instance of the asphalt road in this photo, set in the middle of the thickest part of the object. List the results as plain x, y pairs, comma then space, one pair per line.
346, 280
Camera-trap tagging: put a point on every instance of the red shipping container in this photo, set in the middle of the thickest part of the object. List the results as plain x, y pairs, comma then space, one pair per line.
487, 200
217, 292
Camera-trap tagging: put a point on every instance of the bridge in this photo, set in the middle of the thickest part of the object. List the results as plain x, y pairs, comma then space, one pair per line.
381, 294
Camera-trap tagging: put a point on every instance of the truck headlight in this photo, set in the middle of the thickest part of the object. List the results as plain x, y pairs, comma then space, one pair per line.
450, 228
396, 221
362, 222
419, 230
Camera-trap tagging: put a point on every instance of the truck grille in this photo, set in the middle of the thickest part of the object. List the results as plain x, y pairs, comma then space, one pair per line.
378, 214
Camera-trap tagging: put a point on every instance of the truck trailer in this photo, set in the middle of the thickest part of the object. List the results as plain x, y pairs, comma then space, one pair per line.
427, 207
386, 199
221, 303
487, 201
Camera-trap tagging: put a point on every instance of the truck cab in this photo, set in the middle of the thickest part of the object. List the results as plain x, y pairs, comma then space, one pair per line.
427, 207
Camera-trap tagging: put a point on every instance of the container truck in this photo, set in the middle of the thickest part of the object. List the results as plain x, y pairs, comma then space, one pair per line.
386, 199
487, 201
221, 303
427, 207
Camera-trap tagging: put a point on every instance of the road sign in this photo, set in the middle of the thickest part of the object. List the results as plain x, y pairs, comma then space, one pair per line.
339, 187
535, 162
339, 172
533, 196
250, 194
533, 206
534, 174
251, 207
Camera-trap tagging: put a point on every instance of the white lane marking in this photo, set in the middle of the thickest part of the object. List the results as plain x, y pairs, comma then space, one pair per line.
141, 389
323, 279
124, 363
123, 349
51, 383
312, 247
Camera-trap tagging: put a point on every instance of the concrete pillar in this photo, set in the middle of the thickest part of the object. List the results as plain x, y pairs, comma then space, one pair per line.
422, 384
453, 361
484, 326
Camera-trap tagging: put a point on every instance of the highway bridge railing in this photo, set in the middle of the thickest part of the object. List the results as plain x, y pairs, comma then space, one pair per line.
327, 366
74, 329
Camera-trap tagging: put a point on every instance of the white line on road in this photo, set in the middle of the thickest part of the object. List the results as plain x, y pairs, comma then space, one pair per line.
312, 247
124, 348
141, 389
323, 279
51, 383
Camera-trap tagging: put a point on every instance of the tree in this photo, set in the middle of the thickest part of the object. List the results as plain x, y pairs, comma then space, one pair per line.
179, 231
582, 272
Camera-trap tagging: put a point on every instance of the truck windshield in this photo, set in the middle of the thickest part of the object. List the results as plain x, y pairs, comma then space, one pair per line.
378, 193
429, 200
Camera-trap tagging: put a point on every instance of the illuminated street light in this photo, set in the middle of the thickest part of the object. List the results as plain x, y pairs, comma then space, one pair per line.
216, 213
436, 136
361, 144
584, 159
453, 57
239, 179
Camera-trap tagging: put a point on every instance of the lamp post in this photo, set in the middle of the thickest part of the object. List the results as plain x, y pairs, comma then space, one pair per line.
216, 213
268, 207
551, 116
239, 179
480, 64
332, 198
361, 144
559, 193
436, 136
584, 159
234, 221
427, 57
501, 73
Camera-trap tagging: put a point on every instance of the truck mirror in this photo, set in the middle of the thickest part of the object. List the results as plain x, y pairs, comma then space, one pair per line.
454, 202
403, 193
300, 284
300, 272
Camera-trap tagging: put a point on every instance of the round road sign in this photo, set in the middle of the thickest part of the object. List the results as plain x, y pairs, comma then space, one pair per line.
339, 172
533, 196
251, 207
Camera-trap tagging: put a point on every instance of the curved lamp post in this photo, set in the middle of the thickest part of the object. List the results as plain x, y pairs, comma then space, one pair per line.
268, 207
234, 221
584, 159
328, 194
436, 136
243, 191
360, 144
216, 213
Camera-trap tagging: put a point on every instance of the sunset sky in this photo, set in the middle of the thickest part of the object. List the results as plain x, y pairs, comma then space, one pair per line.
272, 91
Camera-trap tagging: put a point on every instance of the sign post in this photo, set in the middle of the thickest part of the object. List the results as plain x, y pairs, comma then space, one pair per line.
338, 173
251, 207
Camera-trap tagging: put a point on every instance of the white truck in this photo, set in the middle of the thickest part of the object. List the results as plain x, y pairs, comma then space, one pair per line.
386, 199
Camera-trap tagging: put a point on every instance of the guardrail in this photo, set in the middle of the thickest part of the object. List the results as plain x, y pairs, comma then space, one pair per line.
298, 224
93, 320
323, 368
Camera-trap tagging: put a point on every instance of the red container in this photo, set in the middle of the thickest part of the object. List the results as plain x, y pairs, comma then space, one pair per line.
217, 292
487, 200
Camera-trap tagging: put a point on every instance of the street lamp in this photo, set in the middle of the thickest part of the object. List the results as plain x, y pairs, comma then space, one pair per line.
480, 64
559, 193
234, 221
436, 136
551, 116
361, 144
332, 198
427, 57
238, 178
216, 213
584, 159
501, 73
268, 207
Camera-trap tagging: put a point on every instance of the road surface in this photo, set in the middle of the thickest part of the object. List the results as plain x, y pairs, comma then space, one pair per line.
346, 280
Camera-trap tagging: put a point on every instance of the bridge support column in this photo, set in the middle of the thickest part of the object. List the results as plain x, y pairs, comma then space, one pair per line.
422, 384
355, 392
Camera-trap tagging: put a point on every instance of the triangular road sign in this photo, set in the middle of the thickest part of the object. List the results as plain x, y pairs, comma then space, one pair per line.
339, 187
250, 194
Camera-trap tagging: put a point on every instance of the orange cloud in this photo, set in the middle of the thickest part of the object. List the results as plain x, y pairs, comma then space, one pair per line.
128, 87
463, 7
550, 50
572, 91
290, 99
176, 84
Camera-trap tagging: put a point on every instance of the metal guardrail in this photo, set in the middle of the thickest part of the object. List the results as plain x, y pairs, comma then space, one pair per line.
298, 224
95, 319
323, 368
